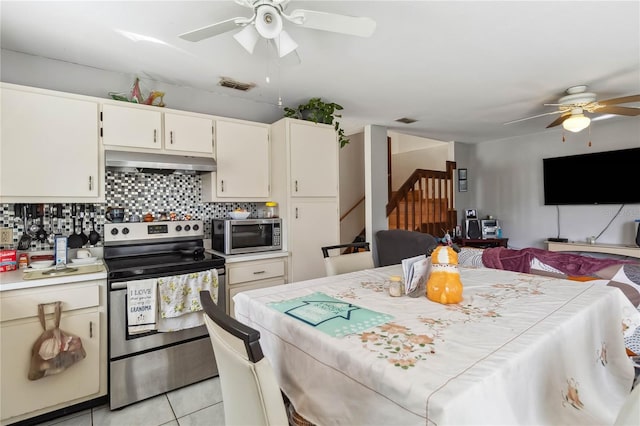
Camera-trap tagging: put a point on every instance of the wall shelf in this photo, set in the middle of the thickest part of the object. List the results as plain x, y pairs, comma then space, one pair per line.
630, 250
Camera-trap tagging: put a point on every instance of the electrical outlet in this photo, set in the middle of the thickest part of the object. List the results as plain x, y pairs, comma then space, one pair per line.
6, 236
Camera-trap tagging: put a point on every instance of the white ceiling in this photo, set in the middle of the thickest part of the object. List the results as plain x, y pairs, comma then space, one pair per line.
461, 68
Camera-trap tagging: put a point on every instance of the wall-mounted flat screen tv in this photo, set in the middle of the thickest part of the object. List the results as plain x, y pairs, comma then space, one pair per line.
611, 177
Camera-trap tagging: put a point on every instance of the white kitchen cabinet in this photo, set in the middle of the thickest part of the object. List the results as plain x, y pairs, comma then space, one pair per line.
145, 127
314, 160
305, 183
253, 274
243, 162
188, 133
314, 224
131, 126
49, 146
83, 314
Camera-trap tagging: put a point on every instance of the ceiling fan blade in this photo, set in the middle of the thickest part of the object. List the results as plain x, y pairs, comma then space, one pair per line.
213, 30
623, 100
351, 25
533, 116
558, 121
632, 112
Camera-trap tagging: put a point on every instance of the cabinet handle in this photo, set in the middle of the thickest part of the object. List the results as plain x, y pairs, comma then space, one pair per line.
296, 184
90, 183
296, 212
258, 272
91, 329
155, 132
171, 137
222, 186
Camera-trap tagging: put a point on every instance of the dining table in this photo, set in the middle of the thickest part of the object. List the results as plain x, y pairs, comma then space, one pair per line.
519, 349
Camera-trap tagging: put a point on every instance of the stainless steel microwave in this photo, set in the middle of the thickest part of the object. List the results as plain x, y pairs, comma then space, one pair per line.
231, 236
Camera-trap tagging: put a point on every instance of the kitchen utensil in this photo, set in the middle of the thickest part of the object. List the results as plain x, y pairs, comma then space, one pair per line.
52, 236
17, 212
84, 260
83, 253
41, 234
25, 240
85, 237
32, 214
115, 214
40, 264
94, 236
75, 240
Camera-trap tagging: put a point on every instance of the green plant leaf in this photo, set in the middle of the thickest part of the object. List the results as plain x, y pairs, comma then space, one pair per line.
318, 111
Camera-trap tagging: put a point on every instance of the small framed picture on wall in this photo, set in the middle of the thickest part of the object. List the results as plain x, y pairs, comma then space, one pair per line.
462, 185
462, 174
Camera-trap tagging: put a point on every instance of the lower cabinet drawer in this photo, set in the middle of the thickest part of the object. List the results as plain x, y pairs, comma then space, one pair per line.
232, 290
255, 270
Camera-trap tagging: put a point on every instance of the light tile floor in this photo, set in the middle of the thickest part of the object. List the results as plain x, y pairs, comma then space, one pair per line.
197, 405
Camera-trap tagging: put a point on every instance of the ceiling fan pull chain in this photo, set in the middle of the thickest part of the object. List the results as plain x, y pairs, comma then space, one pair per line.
589, 135
563, 136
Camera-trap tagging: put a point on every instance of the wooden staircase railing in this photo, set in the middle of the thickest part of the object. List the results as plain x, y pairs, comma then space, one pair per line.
424, 202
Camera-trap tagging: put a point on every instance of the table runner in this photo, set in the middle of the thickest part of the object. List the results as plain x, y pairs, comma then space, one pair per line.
330, 315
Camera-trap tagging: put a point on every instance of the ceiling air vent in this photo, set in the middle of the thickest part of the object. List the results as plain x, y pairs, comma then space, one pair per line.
237, 85
406, 120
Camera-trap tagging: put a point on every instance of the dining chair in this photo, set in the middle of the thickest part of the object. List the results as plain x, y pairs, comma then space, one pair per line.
250, 390
393, 245
357, 257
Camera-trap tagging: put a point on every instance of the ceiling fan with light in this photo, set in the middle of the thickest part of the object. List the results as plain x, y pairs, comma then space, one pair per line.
267, 22
577, 101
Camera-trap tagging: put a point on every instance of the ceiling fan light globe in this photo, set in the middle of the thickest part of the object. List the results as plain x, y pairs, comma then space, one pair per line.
247, 37
576, 123
268, 21
285, 44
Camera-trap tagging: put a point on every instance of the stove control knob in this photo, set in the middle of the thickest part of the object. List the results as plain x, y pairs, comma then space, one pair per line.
114, 231
125, 231
187, 227
196, 227
179, 228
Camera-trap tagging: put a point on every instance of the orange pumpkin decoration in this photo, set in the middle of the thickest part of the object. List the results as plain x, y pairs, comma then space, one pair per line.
444, 285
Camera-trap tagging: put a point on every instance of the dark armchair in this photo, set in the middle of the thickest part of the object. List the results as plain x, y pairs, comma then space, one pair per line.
393, 245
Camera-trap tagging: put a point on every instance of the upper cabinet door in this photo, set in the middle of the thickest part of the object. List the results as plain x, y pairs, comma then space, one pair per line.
188, 133
131, 127
48, 146
314, 160
243, 158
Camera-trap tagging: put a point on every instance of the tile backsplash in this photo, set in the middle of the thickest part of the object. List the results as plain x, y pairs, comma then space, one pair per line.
138, 193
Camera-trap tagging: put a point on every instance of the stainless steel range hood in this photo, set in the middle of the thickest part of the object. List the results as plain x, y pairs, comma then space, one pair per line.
158, 163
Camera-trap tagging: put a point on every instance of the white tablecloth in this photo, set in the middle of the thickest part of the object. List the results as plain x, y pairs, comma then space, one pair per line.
519, 349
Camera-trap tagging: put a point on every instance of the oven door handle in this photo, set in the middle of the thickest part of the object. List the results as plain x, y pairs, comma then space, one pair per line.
122, 285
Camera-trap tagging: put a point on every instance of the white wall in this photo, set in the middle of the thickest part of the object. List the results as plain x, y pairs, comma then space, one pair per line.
505, 180
412, 152
28, 70
352, 187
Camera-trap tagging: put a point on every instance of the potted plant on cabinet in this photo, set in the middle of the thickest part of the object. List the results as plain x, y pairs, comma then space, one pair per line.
318, 111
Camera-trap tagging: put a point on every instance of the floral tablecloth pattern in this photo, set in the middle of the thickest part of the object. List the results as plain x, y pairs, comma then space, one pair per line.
519, 349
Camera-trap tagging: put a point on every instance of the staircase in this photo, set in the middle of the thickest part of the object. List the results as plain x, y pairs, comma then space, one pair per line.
424, 203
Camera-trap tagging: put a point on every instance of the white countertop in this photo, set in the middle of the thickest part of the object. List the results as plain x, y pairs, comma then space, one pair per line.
15, 280
232, 258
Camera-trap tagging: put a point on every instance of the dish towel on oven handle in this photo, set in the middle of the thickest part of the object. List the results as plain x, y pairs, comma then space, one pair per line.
179, 299
141, 306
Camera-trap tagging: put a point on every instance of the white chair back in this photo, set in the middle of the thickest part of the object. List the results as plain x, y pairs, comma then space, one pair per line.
348, 262
335, 265
250, 391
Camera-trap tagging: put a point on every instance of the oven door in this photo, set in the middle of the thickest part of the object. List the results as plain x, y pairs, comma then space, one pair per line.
122, 344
